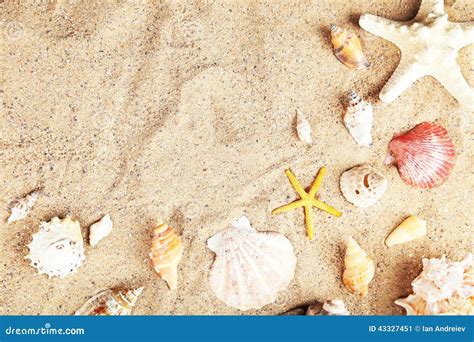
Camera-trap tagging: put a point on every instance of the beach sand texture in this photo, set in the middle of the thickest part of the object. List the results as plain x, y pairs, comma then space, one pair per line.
184, 113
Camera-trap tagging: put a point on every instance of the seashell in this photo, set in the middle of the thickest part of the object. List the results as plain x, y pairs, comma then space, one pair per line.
410, 229
443, 287
358, 119
347, 48
111, 302
166, 252
359, 269
250, 267
332, 307
303, 128
363, 186
57, 249
100, 230
424, 156
22, 206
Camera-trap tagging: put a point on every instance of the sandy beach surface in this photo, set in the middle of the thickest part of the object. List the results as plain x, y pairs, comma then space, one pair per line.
184, 113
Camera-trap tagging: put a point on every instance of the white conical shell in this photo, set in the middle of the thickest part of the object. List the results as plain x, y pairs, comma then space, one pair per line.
110, 303
23, 206
410, 229
57, 249
358, 119
303, 128
443, 287
363, 186
100, 230
250, 267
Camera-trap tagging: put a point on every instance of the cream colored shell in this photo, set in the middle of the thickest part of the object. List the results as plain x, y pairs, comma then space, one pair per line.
443, 287
57, 249
358, 119
359, 269
363, 186
23, 206
410, 229
250, 267
303, 128
100, 230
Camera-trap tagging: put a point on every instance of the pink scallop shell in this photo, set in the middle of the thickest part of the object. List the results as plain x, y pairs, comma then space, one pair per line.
424, 155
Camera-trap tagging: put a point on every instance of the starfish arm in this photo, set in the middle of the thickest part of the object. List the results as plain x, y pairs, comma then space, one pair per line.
385, 28
430, 8
308, 214
404, 76
326, 207
294, 182
288, 207
317, 182
452, 79
467, 35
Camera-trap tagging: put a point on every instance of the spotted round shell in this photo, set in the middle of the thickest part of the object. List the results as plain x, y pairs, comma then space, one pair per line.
57, 249
363, 186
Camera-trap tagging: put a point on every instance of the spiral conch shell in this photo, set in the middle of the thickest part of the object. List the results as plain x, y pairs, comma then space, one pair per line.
347, 48
166, 252
444, 287
57, 249
358, 119
359, 269
23, 206
111, 302
363, 186
250, 267
100, 230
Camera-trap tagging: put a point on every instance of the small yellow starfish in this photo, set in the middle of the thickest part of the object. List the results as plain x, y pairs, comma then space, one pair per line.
307, 200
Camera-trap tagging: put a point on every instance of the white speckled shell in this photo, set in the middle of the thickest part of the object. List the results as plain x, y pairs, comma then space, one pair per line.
110, 303
250, 267
443, 287
358, 119
57, 249
303, 128
23, 206
363, 186
100, 230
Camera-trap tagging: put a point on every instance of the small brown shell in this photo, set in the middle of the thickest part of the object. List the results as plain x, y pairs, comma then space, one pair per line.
166, 252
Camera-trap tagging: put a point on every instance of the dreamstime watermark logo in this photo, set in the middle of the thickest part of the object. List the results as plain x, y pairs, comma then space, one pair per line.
11, 30
461, 120
46, 330
191, 210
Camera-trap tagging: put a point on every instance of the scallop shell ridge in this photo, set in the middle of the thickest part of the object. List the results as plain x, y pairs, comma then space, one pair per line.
250, 267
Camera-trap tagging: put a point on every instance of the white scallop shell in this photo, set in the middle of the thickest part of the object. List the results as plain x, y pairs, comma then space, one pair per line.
358, 119
443, 287
57, 249
250, 267
303, 128
100, 230
23, 206
363, 186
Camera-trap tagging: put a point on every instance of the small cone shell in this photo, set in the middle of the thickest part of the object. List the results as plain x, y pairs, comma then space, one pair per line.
303, 128
359, 269
410, 229
23, 206
166, 252
347, 48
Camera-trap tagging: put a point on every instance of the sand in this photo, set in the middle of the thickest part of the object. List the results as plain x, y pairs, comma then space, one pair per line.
185, 114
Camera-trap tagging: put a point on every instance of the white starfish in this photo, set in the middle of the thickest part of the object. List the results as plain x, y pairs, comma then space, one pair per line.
429, 44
